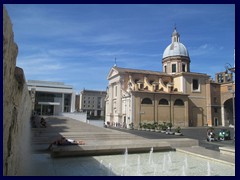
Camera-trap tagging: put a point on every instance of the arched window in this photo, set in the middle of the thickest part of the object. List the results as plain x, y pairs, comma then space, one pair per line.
146, 101
163, 102
178, 102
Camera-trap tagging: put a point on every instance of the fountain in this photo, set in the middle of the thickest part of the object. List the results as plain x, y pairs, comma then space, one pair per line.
125, 157
101, 164
163, 164
122, 172
169, 159
109, 169
208, 169
183, 171
150, 156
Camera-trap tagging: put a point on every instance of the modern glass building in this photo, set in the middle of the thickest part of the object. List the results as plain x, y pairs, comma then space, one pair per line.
51, 98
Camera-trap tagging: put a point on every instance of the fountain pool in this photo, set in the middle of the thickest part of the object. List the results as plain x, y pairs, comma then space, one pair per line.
165, 164
171, 163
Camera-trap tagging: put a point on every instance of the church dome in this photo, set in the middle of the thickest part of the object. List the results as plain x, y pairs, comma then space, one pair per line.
175, 48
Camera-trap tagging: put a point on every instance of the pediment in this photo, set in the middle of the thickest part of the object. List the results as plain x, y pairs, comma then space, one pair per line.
113, 72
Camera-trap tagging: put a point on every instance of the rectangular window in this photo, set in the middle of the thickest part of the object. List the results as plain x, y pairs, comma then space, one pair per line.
115, 91
195, 85
173, 68
215, 110
165, 69
215, 99
183, 68
220, 78
99, 102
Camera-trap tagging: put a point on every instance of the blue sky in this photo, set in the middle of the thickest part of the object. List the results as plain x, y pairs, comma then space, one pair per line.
77, 44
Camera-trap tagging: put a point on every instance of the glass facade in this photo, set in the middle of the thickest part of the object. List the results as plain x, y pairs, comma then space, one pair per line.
44, 103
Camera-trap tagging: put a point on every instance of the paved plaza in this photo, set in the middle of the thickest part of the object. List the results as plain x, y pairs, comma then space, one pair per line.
100, 141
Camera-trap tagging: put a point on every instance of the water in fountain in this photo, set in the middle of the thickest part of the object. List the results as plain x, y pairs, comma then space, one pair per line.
137, 164
169, 158
125, 157
183, 171
164, 163
101, 164
208, 169
109, 169
122, 172
150, 156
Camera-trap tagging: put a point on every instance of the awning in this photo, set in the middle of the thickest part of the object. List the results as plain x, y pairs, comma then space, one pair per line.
49, 103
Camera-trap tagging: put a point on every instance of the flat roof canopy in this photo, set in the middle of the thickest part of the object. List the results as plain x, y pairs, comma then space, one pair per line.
49, 103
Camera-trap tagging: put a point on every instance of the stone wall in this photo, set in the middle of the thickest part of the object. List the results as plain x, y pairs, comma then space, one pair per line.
16, 107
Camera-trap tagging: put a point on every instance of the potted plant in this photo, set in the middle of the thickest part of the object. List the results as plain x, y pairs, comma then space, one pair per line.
131, 125
144, 126
140, 126
155, 124
178, 131
159, 128
148, 126
169, 125
164, 128
152, 127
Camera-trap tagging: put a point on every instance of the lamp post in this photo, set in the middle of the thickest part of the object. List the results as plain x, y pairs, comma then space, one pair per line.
232, 70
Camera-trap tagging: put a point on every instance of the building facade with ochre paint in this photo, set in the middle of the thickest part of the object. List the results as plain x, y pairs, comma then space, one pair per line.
175, 95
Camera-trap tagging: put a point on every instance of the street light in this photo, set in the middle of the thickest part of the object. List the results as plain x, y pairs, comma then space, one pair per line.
228, 67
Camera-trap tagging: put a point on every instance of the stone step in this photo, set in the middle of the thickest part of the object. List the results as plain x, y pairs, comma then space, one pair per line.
227, 150
98, 140
110, 147
49, 140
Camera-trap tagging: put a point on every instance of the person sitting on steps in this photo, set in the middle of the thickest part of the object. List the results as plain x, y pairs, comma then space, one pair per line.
43, 123
65, 141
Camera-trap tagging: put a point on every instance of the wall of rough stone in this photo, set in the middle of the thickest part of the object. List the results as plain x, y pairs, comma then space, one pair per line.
16, 107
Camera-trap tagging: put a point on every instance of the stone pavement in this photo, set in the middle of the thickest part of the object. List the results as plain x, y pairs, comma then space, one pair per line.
98, 140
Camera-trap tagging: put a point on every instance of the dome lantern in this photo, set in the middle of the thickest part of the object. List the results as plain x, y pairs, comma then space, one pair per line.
175, 36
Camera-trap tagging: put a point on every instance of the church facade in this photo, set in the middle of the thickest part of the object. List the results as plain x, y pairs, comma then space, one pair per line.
176, 95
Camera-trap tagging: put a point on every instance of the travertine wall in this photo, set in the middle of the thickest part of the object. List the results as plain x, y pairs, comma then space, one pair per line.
16, 107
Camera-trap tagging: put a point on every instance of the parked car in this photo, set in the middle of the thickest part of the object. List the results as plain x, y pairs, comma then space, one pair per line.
224, 134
